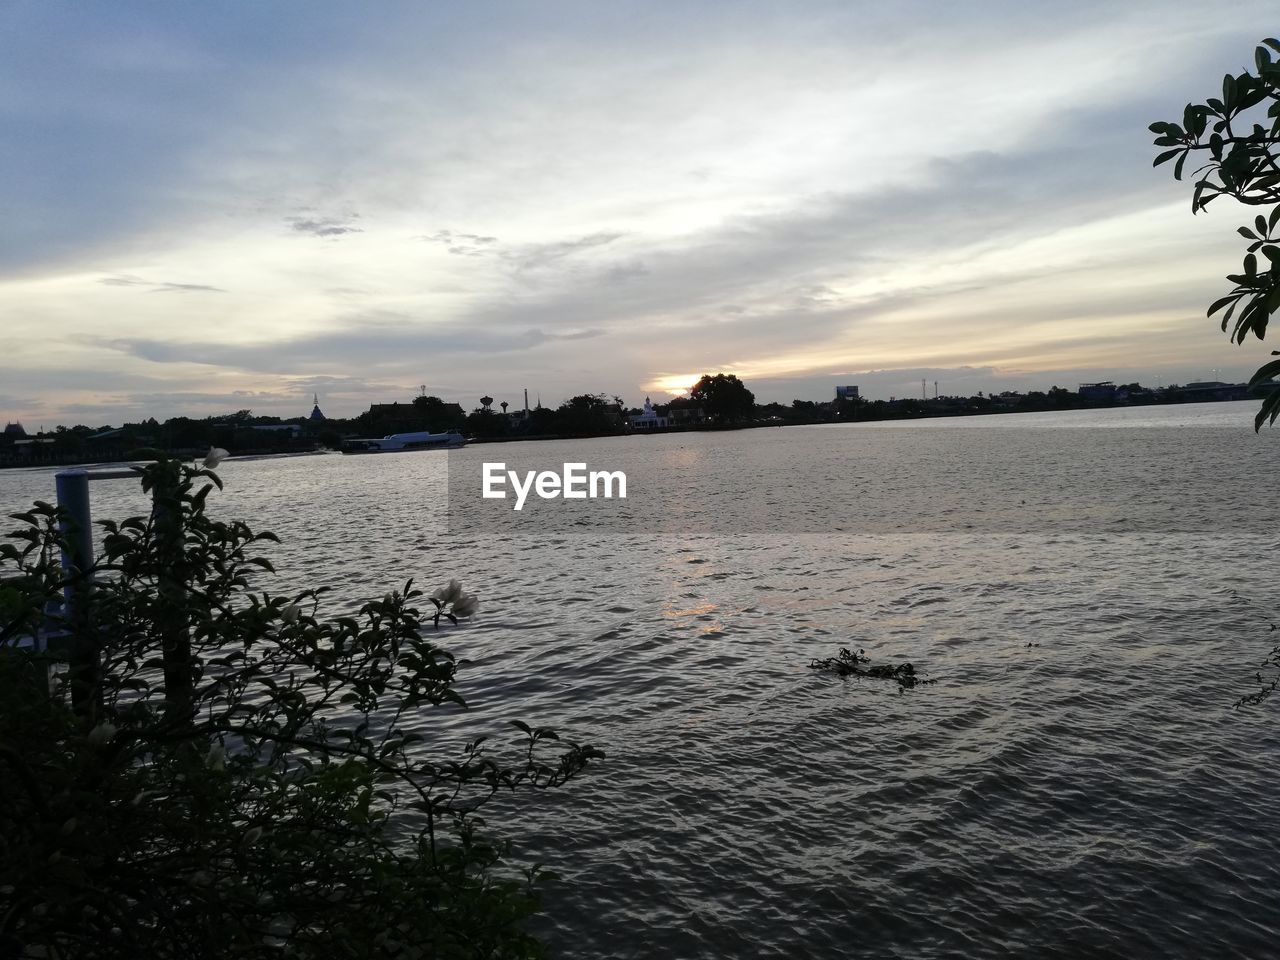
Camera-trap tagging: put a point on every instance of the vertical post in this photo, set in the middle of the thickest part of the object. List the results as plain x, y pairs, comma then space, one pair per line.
77, 566
171, 611
77, 533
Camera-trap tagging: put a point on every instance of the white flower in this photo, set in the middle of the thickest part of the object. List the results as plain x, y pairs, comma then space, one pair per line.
103, 733
291, 613
449, 593
214, 457
465, 605
217, 758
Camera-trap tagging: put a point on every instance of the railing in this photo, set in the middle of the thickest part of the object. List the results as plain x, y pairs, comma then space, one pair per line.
72, 489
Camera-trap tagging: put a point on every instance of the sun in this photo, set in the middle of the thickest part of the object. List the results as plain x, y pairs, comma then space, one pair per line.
674, 383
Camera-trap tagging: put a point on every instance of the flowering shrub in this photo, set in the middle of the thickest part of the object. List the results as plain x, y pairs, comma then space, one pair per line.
209, 771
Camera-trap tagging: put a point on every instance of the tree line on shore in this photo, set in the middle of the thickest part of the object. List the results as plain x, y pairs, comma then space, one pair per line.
715, 402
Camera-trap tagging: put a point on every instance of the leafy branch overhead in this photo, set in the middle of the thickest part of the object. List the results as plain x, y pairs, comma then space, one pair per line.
1235, 141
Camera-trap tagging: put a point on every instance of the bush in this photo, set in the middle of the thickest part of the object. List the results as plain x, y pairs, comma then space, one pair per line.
209, 771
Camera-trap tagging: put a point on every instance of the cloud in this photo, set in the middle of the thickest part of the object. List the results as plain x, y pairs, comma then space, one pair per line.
345, 385
185, 288
526, 256
323, 226
536, 256
621, 273
160, 287
362, 344
694, 187
826, 261
463, 244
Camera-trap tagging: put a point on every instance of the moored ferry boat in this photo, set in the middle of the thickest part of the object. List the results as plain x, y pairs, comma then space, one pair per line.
404, 442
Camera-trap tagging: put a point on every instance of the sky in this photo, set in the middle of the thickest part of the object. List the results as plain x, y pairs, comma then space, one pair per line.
222, 206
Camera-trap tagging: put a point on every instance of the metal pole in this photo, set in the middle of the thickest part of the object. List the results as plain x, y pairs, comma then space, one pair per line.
77, 564
77, 533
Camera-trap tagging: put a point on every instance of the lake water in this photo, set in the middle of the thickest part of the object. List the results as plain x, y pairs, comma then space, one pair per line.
1076, 783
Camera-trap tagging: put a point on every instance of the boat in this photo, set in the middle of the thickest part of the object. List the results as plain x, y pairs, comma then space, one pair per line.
404, 442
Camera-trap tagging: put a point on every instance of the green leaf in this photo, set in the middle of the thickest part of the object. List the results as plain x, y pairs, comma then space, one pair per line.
1203, 193
1260, 224
1265, 372
1247, 233
1270, 409
1245, 322
1177, 167
1253, 98
1166, 156
1220, 303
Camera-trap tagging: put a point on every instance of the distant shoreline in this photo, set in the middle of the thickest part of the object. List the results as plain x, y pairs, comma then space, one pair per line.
941, 413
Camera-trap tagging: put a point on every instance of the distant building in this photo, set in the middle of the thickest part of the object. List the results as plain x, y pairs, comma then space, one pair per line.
1103, 390
423, 413
683, 412
113, 441
33, 449
316, 415
847, 393
1215, 390
649, 419
11, 434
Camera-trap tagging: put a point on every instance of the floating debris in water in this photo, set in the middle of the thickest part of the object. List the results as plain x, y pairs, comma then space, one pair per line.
851, 664
1267, 676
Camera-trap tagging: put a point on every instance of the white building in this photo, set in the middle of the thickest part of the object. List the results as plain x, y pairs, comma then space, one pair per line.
649, 419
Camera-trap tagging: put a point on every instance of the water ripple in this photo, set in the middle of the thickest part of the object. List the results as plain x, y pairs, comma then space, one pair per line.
1090, 795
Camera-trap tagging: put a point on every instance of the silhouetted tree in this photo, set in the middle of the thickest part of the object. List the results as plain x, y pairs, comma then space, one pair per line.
588, 414
486, 424
723, 397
